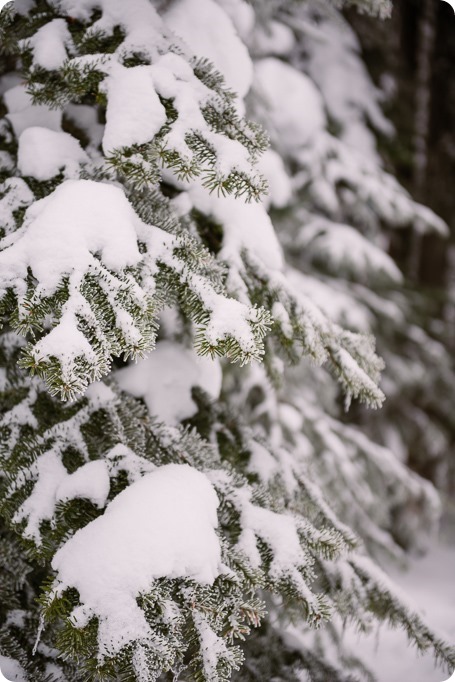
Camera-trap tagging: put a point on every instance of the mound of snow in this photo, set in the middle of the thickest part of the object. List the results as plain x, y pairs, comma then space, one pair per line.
165, 379
161, 526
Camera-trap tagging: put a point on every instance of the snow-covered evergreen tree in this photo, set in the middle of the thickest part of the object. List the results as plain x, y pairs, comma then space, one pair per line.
172, 497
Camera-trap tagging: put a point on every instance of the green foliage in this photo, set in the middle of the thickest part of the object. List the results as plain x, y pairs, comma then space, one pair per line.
288, 555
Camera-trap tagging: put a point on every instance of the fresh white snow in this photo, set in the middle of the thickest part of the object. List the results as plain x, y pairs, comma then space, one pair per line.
11, 670
134, 112
43, 153
245, 226
23, 113
429, 584
163, 525
165, 379
48, 44
295, 125
61, 233
208, 31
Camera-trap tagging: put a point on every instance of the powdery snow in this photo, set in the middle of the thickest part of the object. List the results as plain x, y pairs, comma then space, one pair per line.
208, 31
429, 585
332, 60
294, 126
428, 588
90, 481
337, 304
279, 531
54, 484
63, 234
245, 226
23, 113
15, 194
48, 44
274, 38
62, 231
165, 379
49, 472
134, 112
213, 648
142, 25
242, 15
344, 249
271, 166
11, 671
43, 153
262, 462
161, 526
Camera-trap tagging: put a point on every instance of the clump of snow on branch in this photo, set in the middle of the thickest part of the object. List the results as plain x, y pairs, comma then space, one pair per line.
165, 379
161, 526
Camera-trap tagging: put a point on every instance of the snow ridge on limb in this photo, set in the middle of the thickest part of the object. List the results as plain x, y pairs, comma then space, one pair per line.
127, 118
188, 120
110, 306
59, 477
103, 281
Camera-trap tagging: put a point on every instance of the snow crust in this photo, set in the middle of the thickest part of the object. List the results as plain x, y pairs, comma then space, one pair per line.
165, 379
161, 526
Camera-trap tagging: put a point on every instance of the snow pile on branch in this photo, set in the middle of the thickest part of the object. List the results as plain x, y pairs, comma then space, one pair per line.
82, 243
303, 117
162, 526
11, 668
43, 153
165, 379
341, 248
332, 58
332, 171
23, 113
53, 484
209, 32
49, 43
61, 231
173, 107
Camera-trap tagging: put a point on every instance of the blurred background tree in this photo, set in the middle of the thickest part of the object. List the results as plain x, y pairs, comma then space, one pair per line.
411, 57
